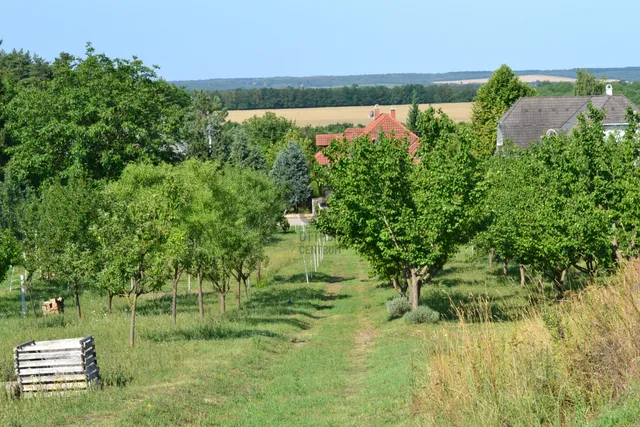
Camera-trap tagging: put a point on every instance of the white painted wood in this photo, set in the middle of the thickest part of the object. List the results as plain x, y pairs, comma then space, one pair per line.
54, 386
49, 355
53, 345
75, 361
56, 370
61, 366
41, 379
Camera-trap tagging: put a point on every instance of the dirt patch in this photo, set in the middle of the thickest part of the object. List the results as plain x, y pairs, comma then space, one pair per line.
365, 336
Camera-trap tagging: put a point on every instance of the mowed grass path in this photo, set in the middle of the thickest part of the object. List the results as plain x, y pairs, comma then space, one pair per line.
297, 354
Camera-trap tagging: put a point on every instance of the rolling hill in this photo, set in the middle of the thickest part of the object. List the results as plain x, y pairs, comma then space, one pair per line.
626, 74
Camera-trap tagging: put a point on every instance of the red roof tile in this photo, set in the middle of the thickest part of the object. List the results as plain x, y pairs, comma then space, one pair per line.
321, 158
323, 140
383, 123
351, 133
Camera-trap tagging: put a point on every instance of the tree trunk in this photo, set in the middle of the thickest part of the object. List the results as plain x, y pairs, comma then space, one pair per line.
200, 296
394, 282
414, 289
109, 301
558, 281
492, 254
540, 289
505, 267
238, 290
76, 298
223, 302
523, 281
174, 299
246, 288
258, 271
617, 255
27, 289
132, 330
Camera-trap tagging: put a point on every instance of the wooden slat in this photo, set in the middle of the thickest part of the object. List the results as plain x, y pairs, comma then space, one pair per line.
57, 367
71, 361
72, 343
54, 386
56, 370
25, 344
42, 379
49, 355
92, 371
62, 346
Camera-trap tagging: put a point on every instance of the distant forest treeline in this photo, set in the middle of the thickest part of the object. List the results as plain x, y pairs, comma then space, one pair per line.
251, 99
626, 74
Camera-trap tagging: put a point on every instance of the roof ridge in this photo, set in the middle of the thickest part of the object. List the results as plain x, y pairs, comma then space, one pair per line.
510, 110
589, 98
624, 107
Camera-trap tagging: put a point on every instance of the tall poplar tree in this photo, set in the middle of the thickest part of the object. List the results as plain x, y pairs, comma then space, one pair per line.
493, 99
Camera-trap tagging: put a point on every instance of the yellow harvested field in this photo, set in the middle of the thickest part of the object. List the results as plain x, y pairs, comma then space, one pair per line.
459, 112
529, 79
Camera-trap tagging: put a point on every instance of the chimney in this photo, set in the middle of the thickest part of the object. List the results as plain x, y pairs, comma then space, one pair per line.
377, 111
609, 90
393, 111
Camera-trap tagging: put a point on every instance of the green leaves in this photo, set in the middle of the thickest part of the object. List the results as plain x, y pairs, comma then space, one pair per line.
492, 100
94, 116
587, 84
405, 215
564, 201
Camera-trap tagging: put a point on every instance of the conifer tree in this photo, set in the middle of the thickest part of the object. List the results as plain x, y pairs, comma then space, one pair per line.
291, 169
414, 113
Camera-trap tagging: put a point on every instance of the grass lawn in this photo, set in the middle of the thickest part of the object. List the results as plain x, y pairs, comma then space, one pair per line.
322, 353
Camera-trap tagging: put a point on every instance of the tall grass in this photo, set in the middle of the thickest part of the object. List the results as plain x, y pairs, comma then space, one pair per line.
560, 365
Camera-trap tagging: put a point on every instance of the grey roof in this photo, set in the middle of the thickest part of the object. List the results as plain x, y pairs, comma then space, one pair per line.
530, 118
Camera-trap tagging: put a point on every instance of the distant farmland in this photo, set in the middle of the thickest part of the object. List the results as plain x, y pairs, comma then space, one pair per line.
459, 112
527, 78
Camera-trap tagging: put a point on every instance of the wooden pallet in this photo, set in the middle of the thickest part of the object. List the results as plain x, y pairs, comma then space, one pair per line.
56, 367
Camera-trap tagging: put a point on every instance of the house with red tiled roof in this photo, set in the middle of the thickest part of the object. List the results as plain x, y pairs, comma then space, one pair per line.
382, 123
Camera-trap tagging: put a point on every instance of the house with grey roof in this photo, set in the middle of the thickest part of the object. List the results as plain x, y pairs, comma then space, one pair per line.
529, 119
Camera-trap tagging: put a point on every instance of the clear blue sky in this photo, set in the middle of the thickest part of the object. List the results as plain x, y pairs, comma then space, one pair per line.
192, 39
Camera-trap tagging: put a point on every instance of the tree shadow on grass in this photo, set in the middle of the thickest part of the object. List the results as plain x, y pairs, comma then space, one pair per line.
298, 298
475, 308
286, 311
273, 321
207, 332
162, 305
313, 277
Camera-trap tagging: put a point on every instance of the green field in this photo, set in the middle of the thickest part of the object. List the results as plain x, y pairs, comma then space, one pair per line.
297, 354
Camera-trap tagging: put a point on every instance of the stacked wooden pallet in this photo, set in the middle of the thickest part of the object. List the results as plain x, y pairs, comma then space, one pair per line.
59, 366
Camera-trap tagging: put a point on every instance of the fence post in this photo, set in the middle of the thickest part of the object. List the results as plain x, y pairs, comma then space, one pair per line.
24, 303
306, 273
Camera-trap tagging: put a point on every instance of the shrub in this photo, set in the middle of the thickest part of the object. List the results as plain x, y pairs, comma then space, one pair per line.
422, 314
398, 306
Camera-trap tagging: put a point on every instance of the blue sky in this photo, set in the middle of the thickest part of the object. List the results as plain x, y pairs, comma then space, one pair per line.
193, 39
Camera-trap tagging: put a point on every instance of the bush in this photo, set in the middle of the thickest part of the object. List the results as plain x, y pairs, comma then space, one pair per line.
398, 306
422, 314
